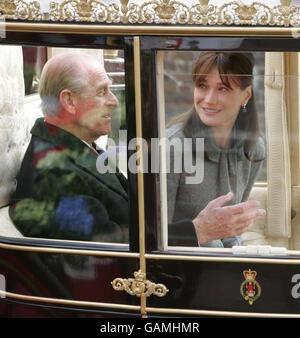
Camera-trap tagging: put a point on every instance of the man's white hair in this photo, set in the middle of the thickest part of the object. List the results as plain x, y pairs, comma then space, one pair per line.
63, 71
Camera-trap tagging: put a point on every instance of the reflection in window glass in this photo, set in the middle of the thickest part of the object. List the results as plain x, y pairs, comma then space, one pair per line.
66, 187
114, 65
34, 59
214, 154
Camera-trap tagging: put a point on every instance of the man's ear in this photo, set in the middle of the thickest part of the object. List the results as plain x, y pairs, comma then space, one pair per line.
66, 100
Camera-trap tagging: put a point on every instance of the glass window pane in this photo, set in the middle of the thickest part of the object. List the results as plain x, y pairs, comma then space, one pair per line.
70, 184
226, 130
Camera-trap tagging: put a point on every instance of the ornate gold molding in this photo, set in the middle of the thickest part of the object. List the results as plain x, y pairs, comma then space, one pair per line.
234, 13
139, 286
215, 313
21, 10
67, 302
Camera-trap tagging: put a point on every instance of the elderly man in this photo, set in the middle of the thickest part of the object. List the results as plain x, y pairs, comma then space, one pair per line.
59, 192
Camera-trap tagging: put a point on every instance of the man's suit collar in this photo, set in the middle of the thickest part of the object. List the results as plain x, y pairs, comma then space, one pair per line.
58, 136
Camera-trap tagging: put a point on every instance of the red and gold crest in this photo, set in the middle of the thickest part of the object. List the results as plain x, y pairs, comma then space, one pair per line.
250, 288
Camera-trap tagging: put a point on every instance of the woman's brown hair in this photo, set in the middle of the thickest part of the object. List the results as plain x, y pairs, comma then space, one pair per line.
234, 68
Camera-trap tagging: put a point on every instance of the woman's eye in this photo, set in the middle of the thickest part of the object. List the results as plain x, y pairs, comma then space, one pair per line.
223, 89
201, 85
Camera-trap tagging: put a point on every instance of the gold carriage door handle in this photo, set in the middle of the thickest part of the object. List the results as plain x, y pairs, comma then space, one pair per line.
139, 286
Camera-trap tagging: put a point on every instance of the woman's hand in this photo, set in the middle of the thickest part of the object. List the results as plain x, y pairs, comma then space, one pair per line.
216, 221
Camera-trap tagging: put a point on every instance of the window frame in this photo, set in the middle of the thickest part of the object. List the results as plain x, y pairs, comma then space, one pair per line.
87, 41
150, 46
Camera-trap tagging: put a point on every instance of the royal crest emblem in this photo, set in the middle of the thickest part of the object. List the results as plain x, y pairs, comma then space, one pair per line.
250, 288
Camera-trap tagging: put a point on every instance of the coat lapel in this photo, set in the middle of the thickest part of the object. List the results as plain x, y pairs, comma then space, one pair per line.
81, 153
87, 159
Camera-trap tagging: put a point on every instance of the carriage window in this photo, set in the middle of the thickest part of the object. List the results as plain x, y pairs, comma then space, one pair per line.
228, 125
72, 183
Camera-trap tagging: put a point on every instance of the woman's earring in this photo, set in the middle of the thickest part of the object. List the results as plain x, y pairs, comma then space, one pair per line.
244, 109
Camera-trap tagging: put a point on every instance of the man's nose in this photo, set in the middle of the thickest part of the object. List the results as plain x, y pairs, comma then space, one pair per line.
112, 99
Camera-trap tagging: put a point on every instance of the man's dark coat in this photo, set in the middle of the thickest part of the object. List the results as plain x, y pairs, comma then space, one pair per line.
60, 194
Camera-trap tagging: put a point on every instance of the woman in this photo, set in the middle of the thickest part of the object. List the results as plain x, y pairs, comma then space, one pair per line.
225, 116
